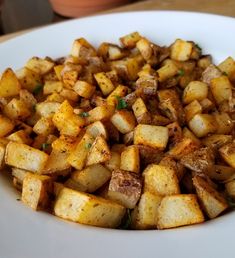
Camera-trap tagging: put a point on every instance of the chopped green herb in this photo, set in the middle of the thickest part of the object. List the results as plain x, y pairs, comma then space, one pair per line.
121, 103
37, 89
181, 72
231, 202
88, 145
18, 199
45, 146
34, 108
84, 114
224, 73
127, 222
198, 47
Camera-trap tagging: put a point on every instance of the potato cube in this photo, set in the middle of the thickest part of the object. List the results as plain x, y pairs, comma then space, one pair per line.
20, 136
114, 162
130, 40
212, 201
141, 112
101, 113
6, 126
104, 83
119, 91
216, 140
188, 134
9, 84
92, 177
179, 210
230, 188
2, 155
78, 155
125, 188
228, 153
228, 67
195, 90
99, 152
25, 157
51, 87
97, 128
44, 126
211, 72
192, 109
88, 209
221, 173
167, 71
64, 143
39, 65
47, 109
20, 174
55, 97
202, 124
36, 190
224, 123
82, 48
181, 50
206, 105
161, 180
17, 109
145, 48
146, 211
221, 89
130, 159
151, 135
84, 89
124, 121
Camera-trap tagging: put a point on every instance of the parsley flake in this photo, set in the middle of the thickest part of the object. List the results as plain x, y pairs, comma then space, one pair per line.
18, 199
88, 145
38, 88
231, 202
84, 114
121, 103
198, 47
127, 223
181, 72
224, 73
45, 146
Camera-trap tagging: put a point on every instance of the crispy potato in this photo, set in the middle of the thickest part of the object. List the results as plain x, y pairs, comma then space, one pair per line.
82, 48
64, 143
188, 134
36, 190
228, 153
47, 109
212, 201
20, 174
161, 180
6, 126
88, 209
224, 123
119, 92
84, 89
230, 188
20, 136
167, 71
9, 84
228, 67
100, 113
179, 210
97, 128
181, 50
216, 140
114, 162
104, 83
211, 72
141, 112
16, 109
123, 120
130, 159
39, 65
25, 157
52, 86
192, 109
44, 126
195, 90
130, 40
125, 188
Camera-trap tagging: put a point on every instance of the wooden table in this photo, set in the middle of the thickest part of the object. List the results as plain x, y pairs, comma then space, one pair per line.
223, 7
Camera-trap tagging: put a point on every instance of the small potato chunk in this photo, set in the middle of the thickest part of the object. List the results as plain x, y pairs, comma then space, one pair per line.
221, 173
47, 109
97, 128
44, 126
145, 48
124, 121
141, 112
119, 92
64, 143
212, 201
230, 188
211, 72
125, 188
130, 40
216, 140
201, 160
114, 162
167, 71
104, 83
181, 50
192, 109
88, 209
188, 134
9, 84
130, 159
6, 126
17, 109
39, 65
228, 67
84, 89
36, 190
92, 177
99, 152
20, 136
51, 87
224, 123
146, 211
195, 90
25, 157
82, 48
221, 89
151, 135
161, 180
228, 153
101, 113
202, 124
2, 155
179, 210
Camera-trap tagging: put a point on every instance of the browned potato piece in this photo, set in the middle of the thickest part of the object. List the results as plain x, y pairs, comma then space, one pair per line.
179, 210
9, 84
221, 173
125, 188
114, 162
84, 89
23, 156
17, 109
212, 201
82, 48
195, 90
192, 109
104, 83
129, 40
228, 67
228, 153
97, 128
19, 174
88, 209
36, 190
44, 126
130, 160
124, 121
39, 65
141, 112
20, 136
181, 50
188, 134
167, 71
217, 140
47, 109
151, 135
101, 113
161, 180
119, 92
2, 155
6, 126
211, 72
230, 188
64, 143
224, 123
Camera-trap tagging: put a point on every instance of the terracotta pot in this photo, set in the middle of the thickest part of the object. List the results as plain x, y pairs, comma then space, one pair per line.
76, 8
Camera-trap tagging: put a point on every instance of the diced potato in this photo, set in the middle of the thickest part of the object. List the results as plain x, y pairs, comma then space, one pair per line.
228, 153
92, 177
230, 188
82, 48
19, 174
175, 132
97, 128
55, 97
149, 155
39, 65
44, 126
20, 136
201, 160
88, 209
128, 138
216, 140
70, 183
111, 51
99, 152
195, 90
192, 109
181, 50
6, 126
104, 83
47, 109
228, 67
221, 173
204, 61
78, 156
188, 134
141, 112
25, 157
130, 40
64, 143
2, 155
161, 180
36, 190
224, 123
123, 120
211, 72
84, 89
212, 201
101, 113
146, 211
9, 84
221, 89
145, 48
113, 132
114, 162
130, 159
69, 77
58, 69
152, 136
51, 87
179, 210
160, 120
125, 188
17, 109
202, 124
119, 91
167, 71
206, 105
70, 95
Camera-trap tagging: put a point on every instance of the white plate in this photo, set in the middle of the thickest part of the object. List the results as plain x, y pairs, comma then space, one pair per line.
28, 234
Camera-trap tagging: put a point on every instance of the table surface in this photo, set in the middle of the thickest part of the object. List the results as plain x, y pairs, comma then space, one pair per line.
223, 7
